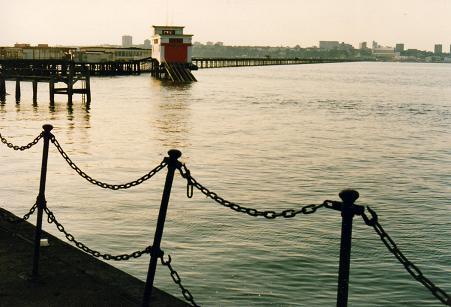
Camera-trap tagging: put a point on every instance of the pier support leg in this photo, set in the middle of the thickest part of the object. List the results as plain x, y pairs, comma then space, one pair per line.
156, 252
17, 90
35, 91
2, 90
52, 91
88, 89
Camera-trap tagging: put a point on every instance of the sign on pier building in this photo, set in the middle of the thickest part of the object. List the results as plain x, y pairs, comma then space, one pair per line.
170, 45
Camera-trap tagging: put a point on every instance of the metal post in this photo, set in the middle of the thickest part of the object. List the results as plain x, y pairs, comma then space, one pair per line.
172, 165
347, 212
41, 200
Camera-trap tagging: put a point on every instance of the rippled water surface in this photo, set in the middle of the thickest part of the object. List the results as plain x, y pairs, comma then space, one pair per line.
268, 138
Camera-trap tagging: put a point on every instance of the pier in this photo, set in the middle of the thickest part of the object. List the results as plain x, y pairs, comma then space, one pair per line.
240, 62
60, 75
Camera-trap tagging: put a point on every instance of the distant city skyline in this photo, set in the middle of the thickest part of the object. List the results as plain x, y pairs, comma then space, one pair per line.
418, 24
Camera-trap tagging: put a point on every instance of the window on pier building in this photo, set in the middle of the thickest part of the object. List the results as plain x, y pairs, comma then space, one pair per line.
168, 32
176, 40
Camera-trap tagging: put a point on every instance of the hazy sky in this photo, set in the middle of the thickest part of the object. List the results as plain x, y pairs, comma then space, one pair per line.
417, 23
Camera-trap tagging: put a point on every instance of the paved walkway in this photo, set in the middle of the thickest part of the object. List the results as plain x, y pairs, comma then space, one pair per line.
68, 277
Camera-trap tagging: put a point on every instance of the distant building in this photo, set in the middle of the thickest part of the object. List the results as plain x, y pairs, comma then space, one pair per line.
127, 41
384, 52
438, 49
328, 45
209, 43
219, 44
399, 48
374, 45
363, 45
39, 52
170, 45
147, 44
99, 54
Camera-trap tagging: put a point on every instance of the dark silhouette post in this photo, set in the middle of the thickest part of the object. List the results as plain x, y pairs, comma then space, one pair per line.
41, 202
17, 90
2, 89
348, 210
156, 252
35, 91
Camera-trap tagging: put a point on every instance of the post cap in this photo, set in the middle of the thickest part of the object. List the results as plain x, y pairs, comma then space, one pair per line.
349, 196
174, 154
47, 127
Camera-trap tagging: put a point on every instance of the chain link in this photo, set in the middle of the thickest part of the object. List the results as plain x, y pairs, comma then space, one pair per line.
16, 220
413, 270
103, 184
178, 281
21, 148
269, 214
51, 219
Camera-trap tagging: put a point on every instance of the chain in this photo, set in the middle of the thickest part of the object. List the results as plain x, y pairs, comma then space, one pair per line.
269, 214
15, 220
413, 270
103, 184
21, 148
178, 281
51, 219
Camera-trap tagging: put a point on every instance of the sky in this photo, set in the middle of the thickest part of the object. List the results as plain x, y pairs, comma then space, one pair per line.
417, 23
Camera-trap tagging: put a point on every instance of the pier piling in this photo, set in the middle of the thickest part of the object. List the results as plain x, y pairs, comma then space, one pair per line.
2, 90
35, 91
17, 90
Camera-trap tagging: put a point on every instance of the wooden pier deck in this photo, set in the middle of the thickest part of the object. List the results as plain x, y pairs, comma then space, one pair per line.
67, 276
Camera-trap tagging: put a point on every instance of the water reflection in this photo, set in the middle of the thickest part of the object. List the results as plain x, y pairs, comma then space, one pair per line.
173, 113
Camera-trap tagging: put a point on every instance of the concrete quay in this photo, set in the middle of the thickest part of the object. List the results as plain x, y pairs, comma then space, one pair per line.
67, 276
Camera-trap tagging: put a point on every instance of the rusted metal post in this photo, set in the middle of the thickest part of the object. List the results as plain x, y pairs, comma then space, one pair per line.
156, 252
348, 210
41, 202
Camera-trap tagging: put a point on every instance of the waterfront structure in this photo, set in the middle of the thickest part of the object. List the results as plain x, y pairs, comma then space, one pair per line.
328, 45
146, 44
39, 52
374, 45
438, 49
127, 41
399, 48
386, 53
171, 45
363, 45
110, 54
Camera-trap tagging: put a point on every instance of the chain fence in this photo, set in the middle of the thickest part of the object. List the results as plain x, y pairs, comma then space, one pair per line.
413, 270
192, 183
178, 281
21, 148
17, 220
104, 185
122, 257
269, 214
